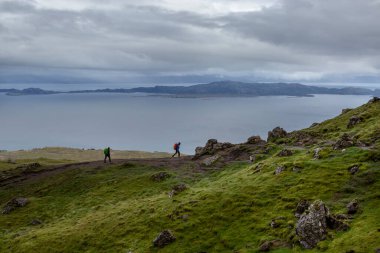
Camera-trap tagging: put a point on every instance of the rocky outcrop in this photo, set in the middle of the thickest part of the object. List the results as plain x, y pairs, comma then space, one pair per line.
285, 152
374, 100
212, 146
164, 238
210, 160
160, 176
353, 169
353, 121
254, 140
276, 133
353, 207
311, 228
344, 142
346, 110
13, 204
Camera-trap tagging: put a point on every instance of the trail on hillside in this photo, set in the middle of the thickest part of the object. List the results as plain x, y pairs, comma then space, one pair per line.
46, 171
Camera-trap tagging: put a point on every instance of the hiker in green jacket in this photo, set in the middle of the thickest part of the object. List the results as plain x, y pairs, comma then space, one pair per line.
107, 153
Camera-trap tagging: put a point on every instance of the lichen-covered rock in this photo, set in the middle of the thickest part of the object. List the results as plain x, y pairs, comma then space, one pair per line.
210, 160
164, 238
311, 228
344, 142
14, 204
285, 152
160, 176
353, 121
279, 170
353, 207
276, 133
353, 169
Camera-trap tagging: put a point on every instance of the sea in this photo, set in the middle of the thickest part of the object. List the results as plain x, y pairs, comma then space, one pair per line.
154, 123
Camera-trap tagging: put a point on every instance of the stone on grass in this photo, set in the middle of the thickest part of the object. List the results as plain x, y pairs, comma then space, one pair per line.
160, 176
14, 204
353, 121
353, 169
164, 238
279, 170
177, 189
285, 152
353, 207
271, 245
302, 206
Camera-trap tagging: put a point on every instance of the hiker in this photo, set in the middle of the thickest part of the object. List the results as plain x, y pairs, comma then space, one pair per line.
107, 153
176, 148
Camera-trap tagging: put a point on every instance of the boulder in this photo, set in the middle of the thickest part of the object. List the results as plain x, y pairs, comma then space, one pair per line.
311, 228
302, 206
353, 169
353, 207
344, 142
285, 152
160, 176
279, 170
276, 133
255, 140
164, 238
210, 160
14, 204
274, 224
353, 121
316, 153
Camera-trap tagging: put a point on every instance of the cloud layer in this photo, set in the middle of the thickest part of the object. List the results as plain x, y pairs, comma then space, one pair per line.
131, 41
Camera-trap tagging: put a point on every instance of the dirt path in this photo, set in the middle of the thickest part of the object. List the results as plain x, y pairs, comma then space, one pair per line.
171, 163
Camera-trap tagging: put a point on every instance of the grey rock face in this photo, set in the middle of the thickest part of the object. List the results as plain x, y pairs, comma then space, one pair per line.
311, 228
164, 238
276, 133
14, 204
210, 160
255, 140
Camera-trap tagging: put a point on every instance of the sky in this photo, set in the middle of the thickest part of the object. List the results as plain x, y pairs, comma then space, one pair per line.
189, 41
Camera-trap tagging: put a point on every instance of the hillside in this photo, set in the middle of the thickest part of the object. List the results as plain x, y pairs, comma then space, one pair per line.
216, 201
214, 89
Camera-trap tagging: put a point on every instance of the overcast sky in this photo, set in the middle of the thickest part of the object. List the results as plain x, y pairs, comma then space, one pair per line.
134, 41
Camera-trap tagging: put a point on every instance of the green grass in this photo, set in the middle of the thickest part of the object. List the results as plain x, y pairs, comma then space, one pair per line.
120, 209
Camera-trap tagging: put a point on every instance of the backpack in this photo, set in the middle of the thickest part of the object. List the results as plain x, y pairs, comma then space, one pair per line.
175, 146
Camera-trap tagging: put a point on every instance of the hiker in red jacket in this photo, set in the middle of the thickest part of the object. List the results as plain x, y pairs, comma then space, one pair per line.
176, 148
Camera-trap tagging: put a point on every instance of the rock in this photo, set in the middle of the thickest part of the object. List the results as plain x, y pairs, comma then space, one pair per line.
377, 250
177, 189
316, 154
29, 167
35, 222
161, 176
255, 140
345, 142
354, 120
346, 110
211, 147
163, 239
311, 228
274, 244
210, 160
353, 207
297, 169
285, 152
314, 124
353, 169
374, 100
276, 133
14, 204
302, 206
279, 170
252, 158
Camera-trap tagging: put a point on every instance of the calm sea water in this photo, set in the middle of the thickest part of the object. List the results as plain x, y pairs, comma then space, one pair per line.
132, 122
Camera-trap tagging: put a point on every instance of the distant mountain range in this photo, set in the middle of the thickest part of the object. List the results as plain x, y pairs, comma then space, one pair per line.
216, 89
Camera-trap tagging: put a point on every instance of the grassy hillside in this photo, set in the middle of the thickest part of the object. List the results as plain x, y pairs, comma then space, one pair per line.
119, 208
